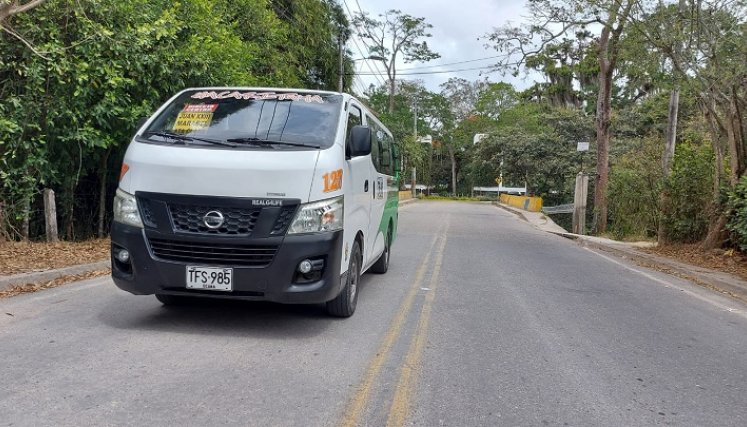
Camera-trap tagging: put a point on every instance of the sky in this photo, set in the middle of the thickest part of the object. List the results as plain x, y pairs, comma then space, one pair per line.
457, 25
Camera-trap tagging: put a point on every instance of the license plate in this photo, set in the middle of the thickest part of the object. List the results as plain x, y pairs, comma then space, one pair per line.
211, 278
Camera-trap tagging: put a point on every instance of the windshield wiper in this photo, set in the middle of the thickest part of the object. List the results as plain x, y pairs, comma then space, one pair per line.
171, 135
261, 141
186, 138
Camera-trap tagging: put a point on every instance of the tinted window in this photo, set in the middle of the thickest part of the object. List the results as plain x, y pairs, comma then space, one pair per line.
375, 144
295, 117
385, 145
355, 118
381, 149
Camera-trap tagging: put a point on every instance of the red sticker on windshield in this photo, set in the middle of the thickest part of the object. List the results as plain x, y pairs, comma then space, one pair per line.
200, 108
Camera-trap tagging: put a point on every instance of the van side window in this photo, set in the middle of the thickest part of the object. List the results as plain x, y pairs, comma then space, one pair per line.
355, 118
385, 156
375, 147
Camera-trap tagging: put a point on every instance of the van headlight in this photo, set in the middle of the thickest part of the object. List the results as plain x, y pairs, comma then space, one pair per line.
325, 215
125, 209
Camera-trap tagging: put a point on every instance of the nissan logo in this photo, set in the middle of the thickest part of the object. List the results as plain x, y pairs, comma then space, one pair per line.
213, 220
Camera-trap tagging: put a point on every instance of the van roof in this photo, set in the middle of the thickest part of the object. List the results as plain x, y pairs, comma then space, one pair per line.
271, 89
345, 95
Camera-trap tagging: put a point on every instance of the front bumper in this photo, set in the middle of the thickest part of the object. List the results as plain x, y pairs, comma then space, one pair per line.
147, 274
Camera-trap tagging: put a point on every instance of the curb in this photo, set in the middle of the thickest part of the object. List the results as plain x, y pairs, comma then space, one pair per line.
407, 201
7, 282
511, 210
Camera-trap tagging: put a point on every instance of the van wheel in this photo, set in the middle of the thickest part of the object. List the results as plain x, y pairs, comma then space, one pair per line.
382, 264
344, 304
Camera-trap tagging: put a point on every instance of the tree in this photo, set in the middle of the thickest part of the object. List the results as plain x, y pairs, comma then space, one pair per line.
495, 99
532, 143
65, 121
462, 98
314, 30
553, 20
9, 8
400, 122
396, 34
706, 51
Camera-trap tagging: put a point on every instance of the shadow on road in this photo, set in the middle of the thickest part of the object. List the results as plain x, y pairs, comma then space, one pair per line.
207, 316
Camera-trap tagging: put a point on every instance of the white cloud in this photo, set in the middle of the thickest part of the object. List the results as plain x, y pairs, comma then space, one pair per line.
459, 28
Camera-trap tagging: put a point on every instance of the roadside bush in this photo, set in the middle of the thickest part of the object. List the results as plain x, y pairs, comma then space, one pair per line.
690, 186
737, 205
634, 189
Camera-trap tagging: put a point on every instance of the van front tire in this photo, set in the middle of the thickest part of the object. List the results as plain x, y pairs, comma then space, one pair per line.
345, 303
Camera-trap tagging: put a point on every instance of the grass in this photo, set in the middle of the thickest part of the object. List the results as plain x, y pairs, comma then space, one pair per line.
457, 198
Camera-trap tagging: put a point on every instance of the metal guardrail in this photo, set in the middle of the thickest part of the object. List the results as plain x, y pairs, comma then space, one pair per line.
567, 208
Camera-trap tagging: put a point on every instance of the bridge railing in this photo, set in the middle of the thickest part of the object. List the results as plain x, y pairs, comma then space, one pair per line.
567, 208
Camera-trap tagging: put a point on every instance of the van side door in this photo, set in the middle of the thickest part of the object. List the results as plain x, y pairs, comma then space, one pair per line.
381, 181
358, 204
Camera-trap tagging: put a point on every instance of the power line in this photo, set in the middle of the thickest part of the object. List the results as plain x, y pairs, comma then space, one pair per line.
376, 73
379, 75
439, 72
368, 30
360, 86
374, 70
451, 63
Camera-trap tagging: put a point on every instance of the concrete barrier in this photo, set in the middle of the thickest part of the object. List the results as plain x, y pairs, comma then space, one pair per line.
404, 195
531, 204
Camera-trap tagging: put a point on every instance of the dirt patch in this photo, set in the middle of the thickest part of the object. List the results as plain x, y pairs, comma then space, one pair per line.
728, 261
20, 257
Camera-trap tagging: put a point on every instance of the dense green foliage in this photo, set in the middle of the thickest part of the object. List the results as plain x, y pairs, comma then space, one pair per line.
635, 186
67, 113
691, 188
737, 205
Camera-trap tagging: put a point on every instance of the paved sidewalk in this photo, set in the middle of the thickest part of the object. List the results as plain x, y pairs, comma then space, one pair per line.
713, 279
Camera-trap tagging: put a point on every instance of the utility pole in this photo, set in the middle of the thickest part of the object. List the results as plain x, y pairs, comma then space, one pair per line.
413, 183
579, 203
581, 193
342, 62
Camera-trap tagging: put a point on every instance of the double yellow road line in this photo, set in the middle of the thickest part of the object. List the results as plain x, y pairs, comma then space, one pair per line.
400, 406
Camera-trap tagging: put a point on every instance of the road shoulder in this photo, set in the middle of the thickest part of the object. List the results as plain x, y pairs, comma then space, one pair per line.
712, 279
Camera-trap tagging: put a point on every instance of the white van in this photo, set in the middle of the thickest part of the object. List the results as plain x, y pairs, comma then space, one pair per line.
282, 195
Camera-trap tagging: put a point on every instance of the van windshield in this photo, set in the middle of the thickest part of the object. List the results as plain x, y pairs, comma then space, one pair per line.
245, 118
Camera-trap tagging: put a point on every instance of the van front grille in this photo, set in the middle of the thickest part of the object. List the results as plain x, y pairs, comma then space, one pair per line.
213, 253
229, 217
191, 219
283, 221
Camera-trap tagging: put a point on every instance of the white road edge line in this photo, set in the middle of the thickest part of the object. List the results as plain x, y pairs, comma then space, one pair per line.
667, 284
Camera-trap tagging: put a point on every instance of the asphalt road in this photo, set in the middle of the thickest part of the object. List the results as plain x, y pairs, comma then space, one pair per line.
481, 321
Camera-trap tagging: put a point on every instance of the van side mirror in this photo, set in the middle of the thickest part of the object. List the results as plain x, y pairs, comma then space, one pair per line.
360, 141
397, 155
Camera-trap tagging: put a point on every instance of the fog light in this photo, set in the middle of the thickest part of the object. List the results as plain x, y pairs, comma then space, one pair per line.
123, 256
305, 266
